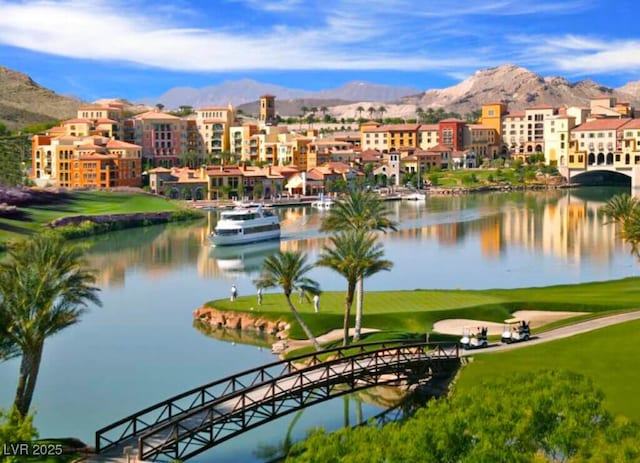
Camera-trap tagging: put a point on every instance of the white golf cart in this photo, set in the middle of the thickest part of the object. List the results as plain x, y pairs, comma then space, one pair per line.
474, 338
515, 330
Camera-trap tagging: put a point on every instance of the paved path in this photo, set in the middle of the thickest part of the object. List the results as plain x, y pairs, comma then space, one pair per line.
563, 332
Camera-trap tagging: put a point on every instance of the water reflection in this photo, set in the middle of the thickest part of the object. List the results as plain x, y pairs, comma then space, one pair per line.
560, 224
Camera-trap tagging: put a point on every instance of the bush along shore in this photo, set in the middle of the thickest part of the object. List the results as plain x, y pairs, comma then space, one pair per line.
81, 226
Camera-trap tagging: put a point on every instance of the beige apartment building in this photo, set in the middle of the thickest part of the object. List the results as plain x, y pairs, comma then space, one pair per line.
557, 134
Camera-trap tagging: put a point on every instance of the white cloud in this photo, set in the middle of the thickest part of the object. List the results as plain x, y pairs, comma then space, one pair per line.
580, 55
406, 35
97, 30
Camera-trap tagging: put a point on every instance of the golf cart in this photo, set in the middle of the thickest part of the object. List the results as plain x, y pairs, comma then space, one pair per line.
474, 338
515, 330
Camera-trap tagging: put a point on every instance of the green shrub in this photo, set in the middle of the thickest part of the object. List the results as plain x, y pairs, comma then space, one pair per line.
13, 429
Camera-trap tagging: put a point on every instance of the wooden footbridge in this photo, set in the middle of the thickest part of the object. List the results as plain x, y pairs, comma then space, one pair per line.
194, 421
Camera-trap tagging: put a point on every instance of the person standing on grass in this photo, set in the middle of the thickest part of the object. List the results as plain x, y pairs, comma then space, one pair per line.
316, 303
234, 293
259, 296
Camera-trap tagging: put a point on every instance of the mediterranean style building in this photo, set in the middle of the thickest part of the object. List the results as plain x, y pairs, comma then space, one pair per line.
101, 147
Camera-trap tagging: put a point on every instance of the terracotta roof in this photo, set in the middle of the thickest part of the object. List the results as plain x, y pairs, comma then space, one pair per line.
601, 124
159, 170
376, 129
313, 174
115, 144
106, 121
338, 167
632, 124
93, 106
515, 114
151, 115
427, 153
427, 127
403, 127
439, 148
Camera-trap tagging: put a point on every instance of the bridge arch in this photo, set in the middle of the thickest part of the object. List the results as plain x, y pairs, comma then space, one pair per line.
197, 420
601, 177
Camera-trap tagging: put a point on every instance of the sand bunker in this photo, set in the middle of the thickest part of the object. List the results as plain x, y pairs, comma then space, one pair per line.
534, 317
542, 317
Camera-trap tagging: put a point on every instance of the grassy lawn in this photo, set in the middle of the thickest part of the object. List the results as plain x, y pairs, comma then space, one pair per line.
416, 311
82, 203
608, 356
472, 178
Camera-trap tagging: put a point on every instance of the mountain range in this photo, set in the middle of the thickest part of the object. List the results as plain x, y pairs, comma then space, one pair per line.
24, 102
246, 90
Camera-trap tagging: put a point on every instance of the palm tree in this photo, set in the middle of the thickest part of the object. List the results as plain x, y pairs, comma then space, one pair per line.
360, 110
624, 211
323, 110
371, 111
354, 255
419, 113
381, 111
44, 288
287, 270
360, 210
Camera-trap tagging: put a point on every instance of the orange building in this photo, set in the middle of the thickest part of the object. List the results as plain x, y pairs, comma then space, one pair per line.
79, 162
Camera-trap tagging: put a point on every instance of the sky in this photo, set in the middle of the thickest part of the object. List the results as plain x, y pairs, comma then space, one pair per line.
141, 48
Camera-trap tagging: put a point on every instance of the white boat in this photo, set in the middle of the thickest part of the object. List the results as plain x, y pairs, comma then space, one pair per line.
415, 196
240, 226
323, 203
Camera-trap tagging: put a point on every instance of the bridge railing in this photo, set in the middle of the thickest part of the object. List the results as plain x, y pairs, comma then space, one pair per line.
167, 410
256, 404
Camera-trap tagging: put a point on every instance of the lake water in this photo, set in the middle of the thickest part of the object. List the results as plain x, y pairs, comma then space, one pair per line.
141, 347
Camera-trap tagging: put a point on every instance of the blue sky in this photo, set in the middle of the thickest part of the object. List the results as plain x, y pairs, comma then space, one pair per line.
140, 48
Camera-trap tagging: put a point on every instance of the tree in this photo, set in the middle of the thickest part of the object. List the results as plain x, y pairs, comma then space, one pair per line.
288, 270
258, 190
624, 211
323, 110
159, 106
44, 288
381, 111
360, 110
371, 111
534, 417
360, 210
354, 255
419, 113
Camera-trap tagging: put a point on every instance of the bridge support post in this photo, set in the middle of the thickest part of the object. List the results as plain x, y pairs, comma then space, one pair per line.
635, 181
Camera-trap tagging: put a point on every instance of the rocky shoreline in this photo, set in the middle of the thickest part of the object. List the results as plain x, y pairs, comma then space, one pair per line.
245, 321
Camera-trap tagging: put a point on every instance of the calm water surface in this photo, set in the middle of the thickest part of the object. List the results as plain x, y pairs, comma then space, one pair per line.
141, 346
